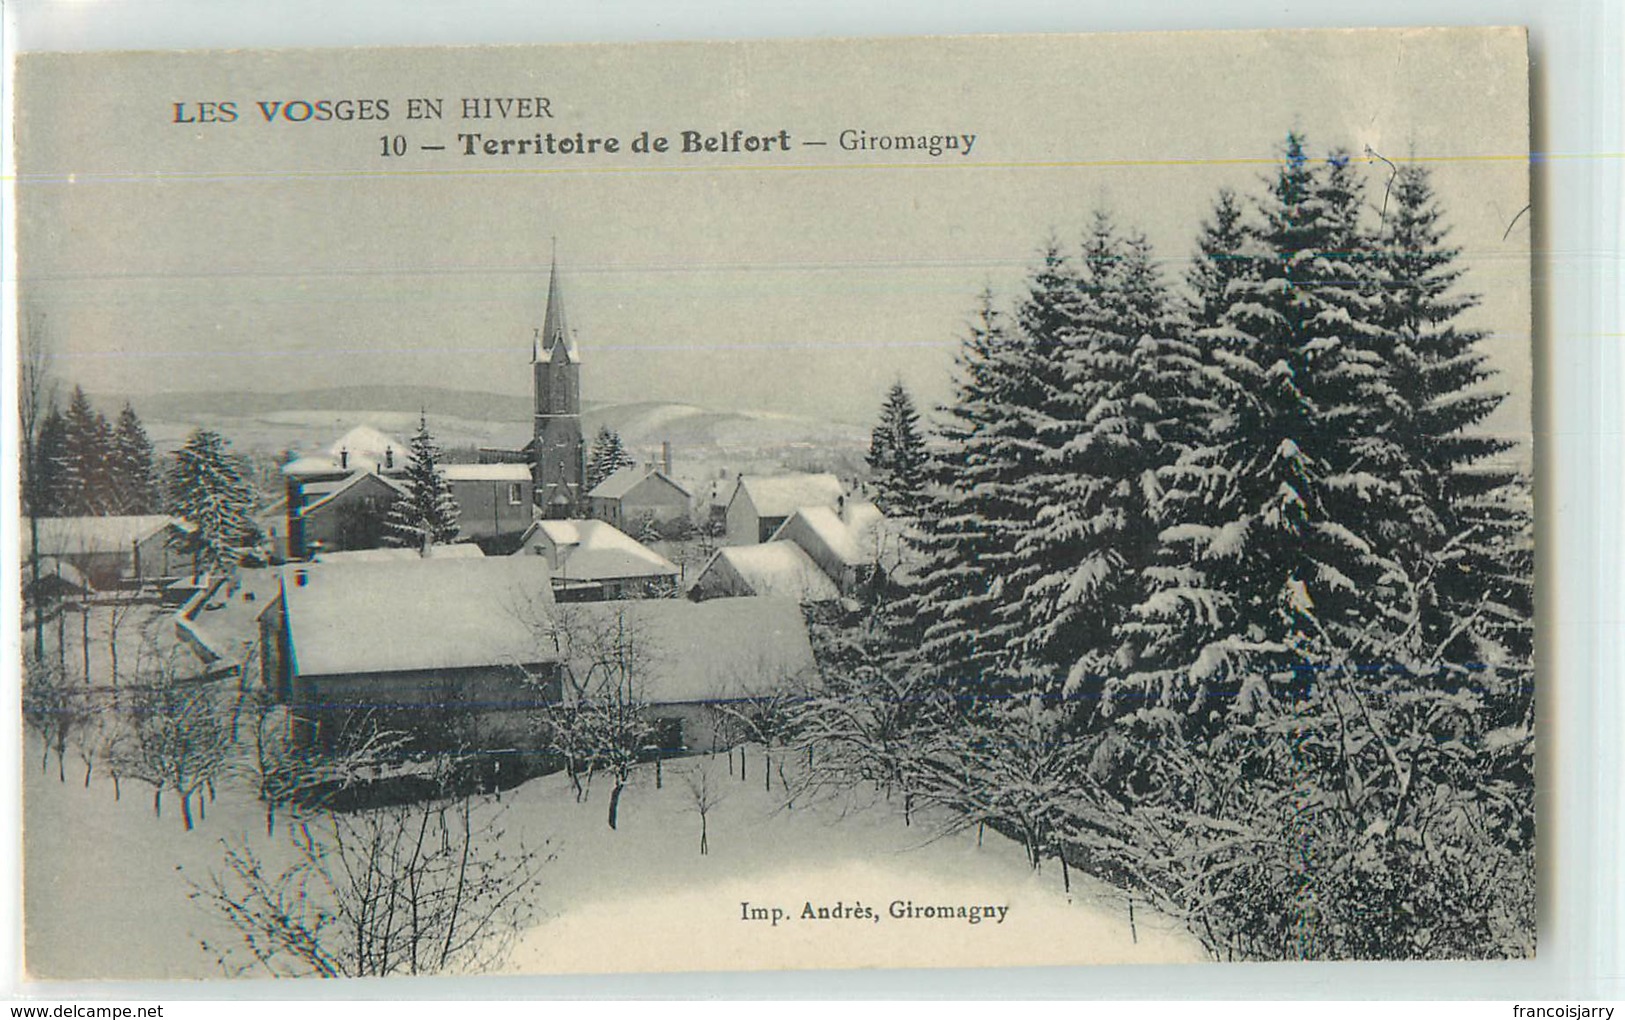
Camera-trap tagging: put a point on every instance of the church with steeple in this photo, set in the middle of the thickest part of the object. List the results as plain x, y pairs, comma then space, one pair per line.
557, 452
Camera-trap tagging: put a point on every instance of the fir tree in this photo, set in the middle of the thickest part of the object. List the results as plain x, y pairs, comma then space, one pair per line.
1465, 539
134, 476
957, 626
1123, 409
1260, 583
87, 458
897, 455
608, 456
49, 495
426, 513
215, 503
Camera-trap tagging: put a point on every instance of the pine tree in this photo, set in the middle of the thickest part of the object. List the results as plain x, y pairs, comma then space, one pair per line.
1260, 584
1467, 519
215, 503
1123, 411
608, 456
134, 476
86, 477
897, 455
957, 626
426, 513
49, 491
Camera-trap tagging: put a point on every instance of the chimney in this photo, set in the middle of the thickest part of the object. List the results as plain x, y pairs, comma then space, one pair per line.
344, 458
665, 456
301, 577
389, 458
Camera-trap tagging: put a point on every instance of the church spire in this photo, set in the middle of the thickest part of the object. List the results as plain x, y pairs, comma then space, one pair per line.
555, 329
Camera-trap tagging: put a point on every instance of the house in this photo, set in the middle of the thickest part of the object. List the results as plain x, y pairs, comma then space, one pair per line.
495, 500
634, 494
843, 542
704, 661
340, 514
594, 560
109, 551
358, 645
340, 499
760, 504
776, 569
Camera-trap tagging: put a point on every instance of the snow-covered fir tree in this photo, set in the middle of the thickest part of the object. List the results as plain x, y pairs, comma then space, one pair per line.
214, 501
956, 625
1121, 410
897, 455
608, 456
48, 493
426, 513
1260, 584
85, 474
1466, 542
134, 476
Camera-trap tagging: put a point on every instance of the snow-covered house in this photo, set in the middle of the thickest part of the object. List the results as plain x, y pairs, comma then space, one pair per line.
760, 504
842, 541
108, 551
340, 499
494, 500
594, 560
340, 514
450, 651
635, 492
776, 569
704, 661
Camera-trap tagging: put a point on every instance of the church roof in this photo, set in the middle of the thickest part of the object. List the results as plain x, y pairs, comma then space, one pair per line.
555, 327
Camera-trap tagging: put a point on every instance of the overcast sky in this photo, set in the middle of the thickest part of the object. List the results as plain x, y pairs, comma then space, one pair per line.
252, 256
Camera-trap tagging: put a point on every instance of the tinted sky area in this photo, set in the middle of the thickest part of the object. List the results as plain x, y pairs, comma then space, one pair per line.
278, 256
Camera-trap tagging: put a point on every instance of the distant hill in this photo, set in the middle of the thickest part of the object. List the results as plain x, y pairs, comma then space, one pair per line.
707, 442
437, 401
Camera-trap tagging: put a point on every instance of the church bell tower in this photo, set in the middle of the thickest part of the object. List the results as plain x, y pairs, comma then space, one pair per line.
558, 455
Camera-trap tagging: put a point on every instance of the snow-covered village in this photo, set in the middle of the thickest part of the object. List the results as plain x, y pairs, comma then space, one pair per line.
522, 573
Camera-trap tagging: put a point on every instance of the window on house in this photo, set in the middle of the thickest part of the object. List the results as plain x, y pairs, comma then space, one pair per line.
515, 494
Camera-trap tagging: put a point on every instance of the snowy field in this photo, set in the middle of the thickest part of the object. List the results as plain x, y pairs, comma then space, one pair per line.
107, 884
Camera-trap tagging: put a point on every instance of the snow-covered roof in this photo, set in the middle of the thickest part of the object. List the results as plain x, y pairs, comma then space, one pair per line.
363, 448
848, 535
51, 567
78, 536
783, 495
486, 472
700, 651
392, 616
617, 485
780, 569
326, 492
591, 550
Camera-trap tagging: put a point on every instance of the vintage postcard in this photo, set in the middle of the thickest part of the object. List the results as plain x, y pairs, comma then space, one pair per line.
975, 501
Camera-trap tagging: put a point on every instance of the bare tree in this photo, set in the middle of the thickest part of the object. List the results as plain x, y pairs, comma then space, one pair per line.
180, 737
608, 652
766, 705
36, 394
419, 888
705, 792
52, 707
